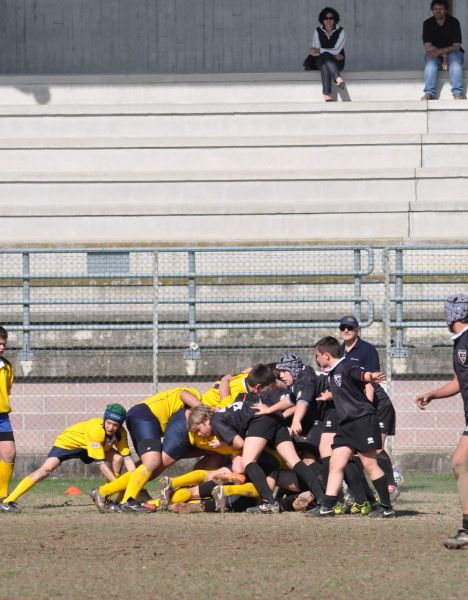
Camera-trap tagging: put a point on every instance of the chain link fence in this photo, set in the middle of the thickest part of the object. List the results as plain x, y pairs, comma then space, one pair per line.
90, 326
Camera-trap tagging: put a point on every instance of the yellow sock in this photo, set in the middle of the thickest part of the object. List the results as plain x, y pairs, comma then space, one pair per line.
247, 489
23, 486
189, 479
137, 482
182, 495
119, 485
6, 473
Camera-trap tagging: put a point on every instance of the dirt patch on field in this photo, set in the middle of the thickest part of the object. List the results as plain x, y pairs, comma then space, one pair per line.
74, 552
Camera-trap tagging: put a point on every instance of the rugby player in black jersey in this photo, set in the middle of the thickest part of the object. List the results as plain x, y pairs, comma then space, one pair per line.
456, 311
358, 429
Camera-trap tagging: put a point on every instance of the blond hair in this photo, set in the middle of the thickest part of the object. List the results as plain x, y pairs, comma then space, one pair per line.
198, 415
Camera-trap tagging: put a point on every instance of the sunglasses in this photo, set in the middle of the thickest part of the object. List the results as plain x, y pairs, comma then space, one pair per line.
347, 328
329, 18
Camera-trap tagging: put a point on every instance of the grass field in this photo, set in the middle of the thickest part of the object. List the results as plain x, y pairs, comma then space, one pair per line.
52, 550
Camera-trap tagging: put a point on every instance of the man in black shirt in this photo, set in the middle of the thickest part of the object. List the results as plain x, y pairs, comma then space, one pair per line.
456, 311
358, 429
442, 42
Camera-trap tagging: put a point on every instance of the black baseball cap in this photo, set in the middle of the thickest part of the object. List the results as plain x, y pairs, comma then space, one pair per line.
349, 320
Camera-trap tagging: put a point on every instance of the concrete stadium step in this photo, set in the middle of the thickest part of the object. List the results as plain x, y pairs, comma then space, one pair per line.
232, 120
193, 160
211, 88
213, 192
208, 120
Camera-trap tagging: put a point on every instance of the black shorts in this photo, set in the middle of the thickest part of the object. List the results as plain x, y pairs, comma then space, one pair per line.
330, 421
313, 437
270, 427
144, 429
386, 417
362, 435
7, 436
64, 455
176, 441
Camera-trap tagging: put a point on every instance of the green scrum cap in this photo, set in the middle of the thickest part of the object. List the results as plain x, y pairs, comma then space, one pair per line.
115, 412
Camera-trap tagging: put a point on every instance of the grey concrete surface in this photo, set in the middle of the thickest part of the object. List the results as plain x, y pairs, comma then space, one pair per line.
186, 36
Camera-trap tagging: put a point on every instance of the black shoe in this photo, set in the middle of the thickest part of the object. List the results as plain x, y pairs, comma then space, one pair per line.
9, 507
133, 506
320, 512
383, 512
460, 540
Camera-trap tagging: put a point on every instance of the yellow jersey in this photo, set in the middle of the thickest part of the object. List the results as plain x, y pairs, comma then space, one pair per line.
90, 435
203, 443
164, 404
6, 383
237, 386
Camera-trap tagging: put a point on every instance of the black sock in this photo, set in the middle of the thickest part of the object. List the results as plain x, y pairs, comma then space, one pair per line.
329, 501
381, 486
384, 462
258, 478
326, 470
353, 478
465, 522
209, 504
206, 488
308, 476
318, 469
370, 495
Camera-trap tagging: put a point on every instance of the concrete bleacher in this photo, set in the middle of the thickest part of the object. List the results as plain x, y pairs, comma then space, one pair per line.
162, 158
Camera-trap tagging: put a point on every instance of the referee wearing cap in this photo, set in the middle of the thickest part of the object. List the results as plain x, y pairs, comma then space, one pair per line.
456, 312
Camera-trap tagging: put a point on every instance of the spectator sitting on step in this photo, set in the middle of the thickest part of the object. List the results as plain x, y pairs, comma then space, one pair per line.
442, 42
328, 46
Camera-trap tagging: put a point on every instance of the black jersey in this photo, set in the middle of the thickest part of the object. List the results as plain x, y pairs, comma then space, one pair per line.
307, 387
347, 385
460, 365
235, 419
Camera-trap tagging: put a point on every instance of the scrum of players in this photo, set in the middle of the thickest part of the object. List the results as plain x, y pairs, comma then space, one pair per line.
283, 436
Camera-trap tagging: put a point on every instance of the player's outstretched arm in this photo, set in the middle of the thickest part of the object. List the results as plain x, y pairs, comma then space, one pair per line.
374, 377
263, 409
446, 391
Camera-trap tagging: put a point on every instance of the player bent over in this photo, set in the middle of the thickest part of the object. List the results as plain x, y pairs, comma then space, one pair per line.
101, 440
358, 429
251, 425
456, 311
7, 439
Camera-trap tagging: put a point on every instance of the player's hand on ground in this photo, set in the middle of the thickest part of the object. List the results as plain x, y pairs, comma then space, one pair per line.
423, 400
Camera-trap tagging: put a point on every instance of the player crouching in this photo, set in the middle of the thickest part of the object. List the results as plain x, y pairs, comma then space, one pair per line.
100, 440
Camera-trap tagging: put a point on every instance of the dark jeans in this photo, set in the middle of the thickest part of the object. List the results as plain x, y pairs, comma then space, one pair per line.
330, 69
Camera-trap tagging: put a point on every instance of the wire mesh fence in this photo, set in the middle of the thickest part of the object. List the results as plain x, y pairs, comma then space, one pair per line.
90, 326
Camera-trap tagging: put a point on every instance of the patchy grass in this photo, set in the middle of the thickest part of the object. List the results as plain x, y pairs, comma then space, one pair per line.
73, 551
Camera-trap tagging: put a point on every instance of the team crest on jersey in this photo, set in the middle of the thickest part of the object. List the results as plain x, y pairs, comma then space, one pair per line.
337, 379
462, 356
370, 440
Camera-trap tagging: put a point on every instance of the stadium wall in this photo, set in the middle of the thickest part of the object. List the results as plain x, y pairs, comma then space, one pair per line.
191, 36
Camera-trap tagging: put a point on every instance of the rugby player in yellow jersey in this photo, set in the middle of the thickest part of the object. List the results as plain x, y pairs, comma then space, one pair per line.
101, 440
147, 422
7, 439
226, 390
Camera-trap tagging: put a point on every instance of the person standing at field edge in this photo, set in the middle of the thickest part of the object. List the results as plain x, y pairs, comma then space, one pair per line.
7, 439
456, 311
